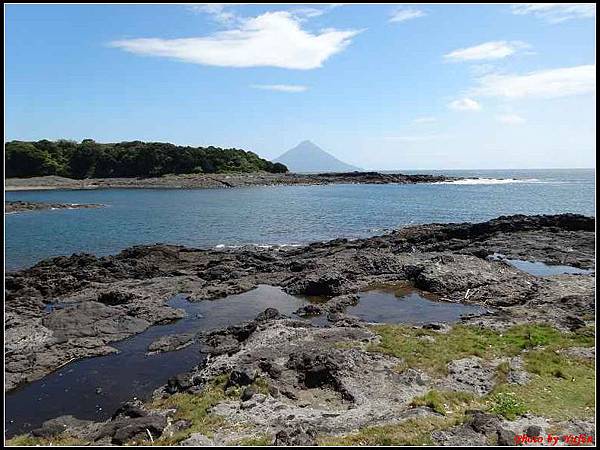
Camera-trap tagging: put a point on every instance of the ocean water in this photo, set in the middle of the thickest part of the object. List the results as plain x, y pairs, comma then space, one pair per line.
280, 215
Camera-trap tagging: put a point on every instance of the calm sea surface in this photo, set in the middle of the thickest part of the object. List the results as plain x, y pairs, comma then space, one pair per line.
280, 215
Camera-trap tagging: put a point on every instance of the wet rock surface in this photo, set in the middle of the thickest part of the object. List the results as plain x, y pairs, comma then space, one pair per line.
171, 343
124, 430
22, 206
62, 424
315, 379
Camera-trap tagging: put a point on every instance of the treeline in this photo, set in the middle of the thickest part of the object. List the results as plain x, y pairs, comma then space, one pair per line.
90, 159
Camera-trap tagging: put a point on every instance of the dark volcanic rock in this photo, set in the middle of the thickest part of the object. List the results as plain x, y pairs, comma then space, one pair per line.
248, 393
309, 310
171, 342
478, 430
333, 306
113, 298
123, 430
316, 369
225, 340
22, 206
484, 423
269, 314
272, 369
344, 320
130, 409
178, 383
59, 425
241, 377
218, 344
71, 307
296, 437
573, 323
533, 431
326, 284
221, 180
505, 437
85, 319
340, 303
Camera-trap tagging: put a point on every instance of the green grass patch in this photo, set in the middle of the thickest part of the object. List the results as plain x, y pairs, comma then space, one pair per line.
347, 345
502, 372
195, 408
443, 402
463, 341
255, 441
262, 385
508, 404
28, 440
410, 432
561, 388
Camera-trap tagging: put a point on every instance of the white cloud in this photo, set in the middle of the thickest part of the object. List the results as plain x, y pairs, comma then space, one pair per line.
549, 83
510, 119
486, 51
273, 39
309, 11
425, 119
221, 12
556, 12
404, 14
280, 87
465, 104
217, 10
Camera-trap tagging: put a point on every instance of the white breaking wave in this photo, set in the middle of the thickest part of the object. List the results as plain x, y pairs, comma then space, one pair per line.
491, 181
226, 246
263, 246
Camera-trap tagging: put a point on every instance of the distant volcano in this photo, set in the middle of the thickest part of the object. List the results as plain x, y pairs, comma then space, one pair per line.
308, 157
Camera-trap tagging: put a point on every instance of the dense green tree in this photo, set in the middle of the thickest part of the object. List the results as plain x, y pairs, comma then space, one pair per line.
83, 161
126, 159
23, 158
279, 168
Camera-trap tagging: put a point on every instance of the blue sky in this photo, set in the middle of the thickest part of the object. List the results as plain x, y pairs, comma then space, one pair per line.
380, 86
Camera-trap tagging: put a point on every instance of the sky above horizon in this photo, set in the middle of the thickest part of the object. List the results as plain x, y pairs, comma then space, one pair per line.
411, 86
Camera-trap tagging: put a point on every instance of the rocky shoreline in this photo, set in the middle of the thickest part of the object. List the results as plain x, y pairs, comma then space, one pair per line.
11, 207
281, 380
203, 181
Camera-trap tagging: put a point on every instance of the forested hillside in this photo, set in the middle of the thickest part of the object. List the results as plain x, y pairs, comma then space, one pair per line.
90, 159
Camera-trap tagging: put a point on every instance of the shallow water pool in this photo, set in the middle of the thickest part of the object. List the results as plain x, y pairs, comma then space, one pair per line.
539, 268
407, 305
93, 388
